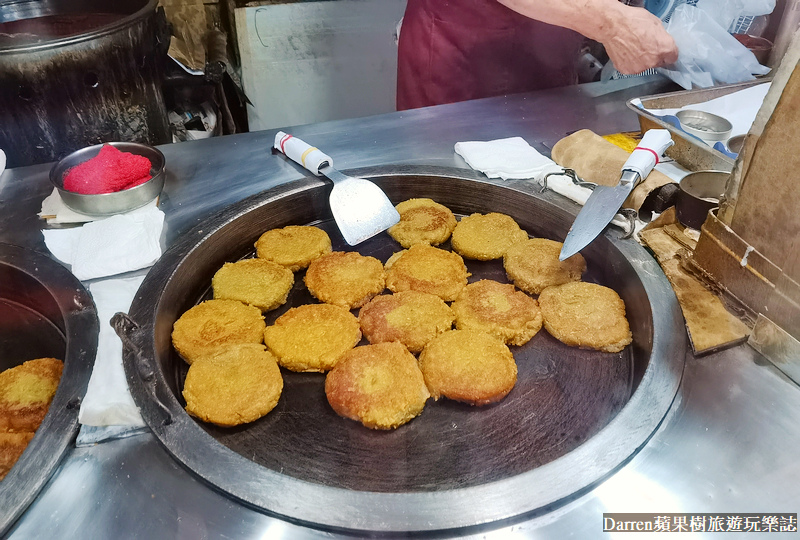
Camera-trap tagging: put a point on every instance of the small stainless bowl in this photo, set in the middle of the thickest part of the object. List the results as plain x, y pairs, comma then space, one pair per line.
106, 204
700, 191
735, 143
709, 127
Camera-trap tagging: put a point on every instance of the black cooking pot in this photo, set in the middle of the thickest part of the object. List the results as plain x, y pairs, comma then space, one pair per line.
77, 73
573, 418
44, 312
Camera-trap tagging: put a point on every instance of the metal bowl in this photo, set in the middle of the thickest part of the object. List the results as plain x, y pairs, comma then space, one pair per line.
735, 144
700, 191
106, 204
709, 127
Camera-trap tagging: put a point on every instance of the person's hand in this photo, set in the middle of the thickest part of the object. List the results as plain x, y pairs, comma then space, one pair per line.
637, 41
634, 39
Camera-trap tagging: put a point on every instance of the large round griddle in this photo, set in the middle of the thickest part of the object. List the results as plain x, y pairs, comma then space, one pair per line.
44, 312
572, 419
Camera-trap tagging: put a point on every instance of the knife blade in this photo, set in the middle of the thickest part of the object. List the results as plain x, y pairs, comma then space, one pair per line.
605, 201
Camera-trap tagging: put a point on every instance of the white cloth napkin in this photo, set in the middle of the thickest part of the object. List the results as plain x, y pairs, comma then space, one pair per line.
108, 401
509, 159
56, 212
110, 246
514, 159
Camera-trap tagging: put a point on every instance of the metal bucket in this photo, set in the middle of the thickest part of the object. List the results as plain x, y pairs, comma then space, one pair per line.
80, 72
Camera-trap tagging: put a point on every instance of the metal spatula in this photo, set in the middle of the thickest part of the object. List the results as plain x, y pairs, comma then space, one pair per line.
360, 208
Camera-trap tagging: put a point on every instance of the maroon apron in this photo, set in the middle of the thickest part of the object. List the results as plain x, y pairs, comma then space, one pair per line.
455, 50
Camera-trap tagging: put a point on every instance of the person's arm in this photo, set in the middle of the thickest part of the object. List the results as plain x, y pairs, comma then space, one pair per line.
634, 39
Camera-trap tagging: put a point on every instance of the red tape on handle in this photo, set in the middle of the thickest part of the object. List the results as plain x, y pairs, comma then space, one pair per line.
635, 149
287, 137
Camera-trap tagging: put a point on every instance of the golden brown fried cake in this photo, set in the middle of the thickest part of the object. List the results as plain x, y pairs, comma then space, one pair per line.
422, 221
235, 386
469, 366
214, 324
498, 309
256, 282
379, 385
312, 337
294, 246
26, 392
486, 236
533, 265
345, 278
586, 315
11, 447
427, 269
411, 317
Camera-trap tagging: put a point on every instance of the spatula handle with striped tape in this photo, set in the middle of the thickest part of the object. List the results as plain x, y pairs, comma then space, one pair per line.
301, 152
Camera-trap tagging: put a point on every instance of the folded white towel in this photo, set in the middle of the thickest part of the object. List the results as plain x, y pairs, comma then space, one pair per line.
108, 401
509, 159
515, 159
120, 243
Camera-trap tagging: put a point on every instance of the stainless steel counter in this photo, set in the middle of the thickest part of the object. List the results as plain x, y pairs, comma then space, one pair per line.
727, 445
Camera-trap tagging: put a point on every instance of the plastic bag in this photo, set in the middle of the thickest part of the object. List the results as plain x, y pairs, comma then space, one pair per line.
727, 12
707, 53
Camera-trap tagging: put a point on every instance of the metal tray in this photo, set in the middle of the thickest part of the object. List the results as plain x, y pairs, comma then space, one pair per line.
692, 154
44, 312
573, 418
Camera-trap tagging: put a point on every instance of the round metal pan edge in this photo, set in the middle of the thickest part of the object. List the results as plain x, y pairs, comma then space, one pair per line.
331, 508
70, 307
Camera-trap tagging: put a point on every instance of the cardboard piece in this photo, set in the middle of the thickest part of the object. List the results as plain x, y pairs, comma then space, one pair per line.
709, 324
749, 249
189, 28
766, 209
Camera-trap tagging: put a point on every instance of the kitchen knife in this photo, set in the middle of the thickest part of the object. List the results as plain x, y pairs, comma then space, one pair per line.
604, 202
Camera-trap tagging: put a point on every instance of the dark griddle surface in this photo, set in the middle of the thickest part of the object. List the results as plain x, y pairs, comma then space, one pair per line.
563, 396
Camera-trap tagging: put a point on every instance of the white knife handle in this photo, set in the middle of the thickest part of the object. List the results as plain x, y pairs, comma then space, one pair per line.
301, 152
650, 149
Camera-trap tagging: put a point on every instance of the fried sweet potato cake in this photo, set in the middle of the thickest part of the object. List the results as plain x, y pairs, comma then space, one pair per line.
422, 221
379, 385
213, 324
411, 317
26, 392
294, 246
256, 282
498, 309
486, 236
469, 366
235, 386
312, 337
533, 265
12, 445
427, 269
586, 315
345, 278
